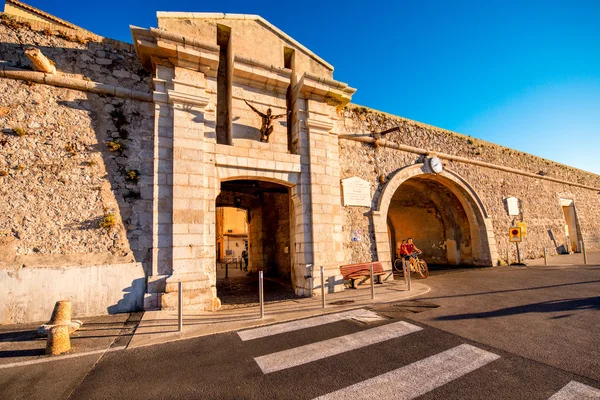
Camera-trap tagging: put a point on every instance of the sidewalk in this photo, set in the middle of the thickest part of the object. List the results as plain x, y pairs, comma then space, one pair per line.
161, 326
20, 344
593, 258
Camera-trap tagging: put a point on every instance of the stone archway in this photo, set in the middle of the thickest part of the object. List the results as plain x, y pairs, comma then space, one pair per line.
481, 247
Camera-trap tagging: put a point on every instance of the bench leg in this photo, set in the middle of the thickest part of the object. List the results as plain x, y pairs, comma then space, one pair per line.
379, 280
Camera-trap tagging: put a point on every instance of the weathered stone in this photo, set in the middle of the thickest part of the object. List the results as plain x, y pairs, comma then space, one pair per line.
103, 61
59, 341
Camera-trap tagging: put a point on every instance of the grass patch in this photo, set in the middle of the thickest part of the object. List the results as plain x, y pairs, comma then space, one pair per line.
114, 146
132, 176
19, 131
108, 222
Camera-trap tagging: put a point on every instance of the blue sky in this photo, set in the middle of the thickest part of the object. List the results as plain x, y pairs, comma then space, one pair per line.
524, 74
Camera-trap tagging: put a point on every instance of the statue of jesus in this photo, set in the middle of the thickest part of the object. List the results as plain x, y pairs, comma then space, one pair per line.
267, 122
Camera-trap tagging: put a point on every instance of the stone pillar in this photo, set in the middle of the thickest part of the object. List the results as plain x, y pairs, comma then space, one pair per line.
184, 222
319, 235
325, 195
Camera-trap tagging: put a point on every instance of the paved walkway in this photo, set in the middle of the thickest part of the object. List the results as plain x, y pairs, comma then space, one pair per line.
593, 258
161, 326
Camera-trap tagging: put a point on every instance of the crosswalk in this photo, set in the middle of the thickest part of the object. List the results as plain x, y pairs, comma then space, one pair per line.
407, 382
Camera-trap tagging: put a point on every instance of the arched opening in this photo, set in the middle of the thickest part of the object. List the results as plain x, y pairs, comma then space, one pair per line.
440, 212
263, 209
428, 212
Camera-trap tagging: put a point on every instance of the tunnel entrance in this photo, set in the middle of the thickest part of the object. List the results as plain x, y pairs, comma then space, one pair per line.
431, 214
260, 225
441, 213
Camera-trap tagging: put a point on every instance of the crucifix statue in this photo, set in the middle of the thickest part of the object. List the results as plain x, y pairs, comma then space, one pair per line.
266, 127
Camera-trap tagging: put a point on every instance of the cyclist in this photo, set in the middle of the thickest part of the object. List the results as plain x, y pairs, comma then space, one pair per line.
401, 249
411, 248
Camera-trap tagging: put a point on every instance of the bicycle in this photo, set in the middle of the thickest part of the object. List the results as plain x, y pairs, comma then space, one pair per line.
415, 264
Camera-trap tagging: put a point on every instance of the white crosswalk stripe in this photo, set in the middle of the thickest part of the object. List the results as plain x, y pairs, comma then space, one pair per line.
576, 391
327, 348
418, 378
285, 327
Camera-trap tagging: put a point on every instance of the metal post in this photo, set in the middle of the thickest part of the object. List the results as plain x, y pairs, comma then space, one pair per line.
584, 254
261, 294
508, 255
226, 270
580, 247
518, 254
545, 257
404, 272
322, 286
372, 283
180, 307
408, 274
241, 260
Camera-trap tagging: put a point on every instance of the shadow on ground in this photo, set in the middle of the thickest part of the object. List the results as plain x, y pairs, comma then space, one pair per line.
589, 303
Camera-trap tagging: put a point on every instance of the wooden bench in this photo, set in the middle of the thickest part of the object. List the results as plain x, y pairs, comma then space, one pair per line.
352, 272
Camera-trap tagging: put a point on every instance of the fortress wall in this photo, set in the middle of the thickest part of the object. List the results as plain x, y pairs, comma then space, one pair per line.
540, 199
59, 180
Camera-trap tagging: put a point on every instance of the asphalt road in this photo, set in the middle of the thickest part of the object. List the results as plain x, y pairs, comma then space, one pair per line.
501, 333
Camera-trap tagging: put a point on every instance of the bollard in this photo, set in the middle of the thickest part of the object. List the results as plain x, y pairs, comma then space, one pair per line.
261, 294
408, 273
58, 340
584, 254
61, 315
323, 286
180, 307
372, 283
545, 257
226, 270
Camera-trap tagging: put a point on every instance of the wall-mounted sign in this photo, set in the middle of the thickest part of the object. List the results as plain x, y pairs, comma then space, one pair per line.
356, 192
523, 227
514, 234
512, 204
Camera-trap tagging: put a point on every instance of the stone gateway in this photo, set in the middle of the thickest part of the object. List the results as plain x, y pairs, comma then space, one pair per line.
113, 168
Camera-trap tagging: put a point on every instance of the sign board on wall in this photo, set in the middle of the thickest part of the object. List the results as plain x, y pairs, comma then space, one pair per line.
514, 234
512, 203
356, 192
523, 227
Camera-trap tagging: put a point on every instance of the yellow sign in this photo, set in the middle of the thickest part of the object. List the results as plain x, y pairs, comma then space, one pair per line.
514, 234
523, 227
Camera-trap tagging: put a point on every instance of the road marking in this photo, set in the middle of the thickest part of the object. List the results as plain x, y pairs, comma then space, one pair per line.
327, 348
576, 391
270, 330
418, 378
59, 358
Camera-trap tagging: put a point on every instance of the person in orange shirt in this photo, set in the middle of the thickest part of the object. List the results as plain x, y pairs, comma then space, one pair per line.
401, 249
411, 248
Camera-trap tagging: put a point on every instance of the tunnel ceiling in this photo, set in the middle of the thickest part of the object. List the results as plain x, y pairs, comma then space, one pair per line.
252, 187
417, 191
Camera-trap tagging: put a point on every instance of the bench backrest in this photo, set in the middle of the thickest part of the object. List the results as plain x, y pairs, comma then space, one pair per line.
349, 269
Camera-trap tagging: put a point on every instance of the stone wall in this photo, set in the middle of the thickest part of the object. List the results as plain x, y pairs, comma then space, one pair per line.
540, 199
59, 179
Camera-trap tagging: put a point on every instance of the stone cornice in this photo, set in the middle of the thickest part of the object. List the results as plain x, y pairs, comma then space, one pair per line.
253, 73
180, 51
334, 92
188, 99
318, 125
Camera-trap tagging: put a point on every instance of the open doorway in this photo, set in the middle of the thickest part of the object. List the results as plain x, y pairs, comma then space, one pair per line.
427, 211
258, 214
571, 226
